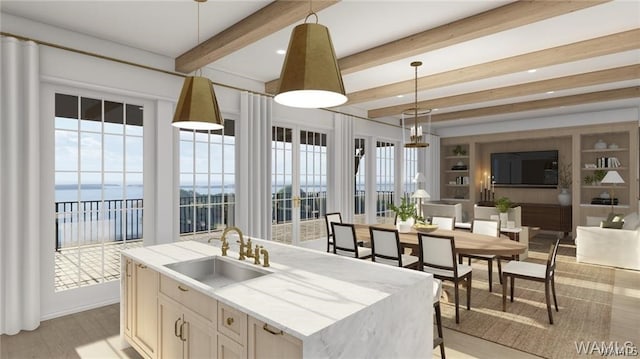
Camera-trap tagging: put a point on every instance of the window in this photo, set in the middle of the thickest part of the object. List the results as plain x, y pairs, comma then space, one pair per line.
98, 187
385, 179
410, 171
207, 179
360, 182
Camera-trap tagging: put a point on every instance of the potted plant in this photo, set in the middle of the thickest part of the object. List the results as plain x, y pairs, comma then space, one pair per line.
406, 213
598, 176
564, 183
459, 151
502, 205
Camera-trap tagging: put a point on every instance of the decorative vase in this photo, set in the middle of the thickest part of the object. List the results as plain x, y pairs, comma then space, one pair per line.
504, 217
564, 197
405, 226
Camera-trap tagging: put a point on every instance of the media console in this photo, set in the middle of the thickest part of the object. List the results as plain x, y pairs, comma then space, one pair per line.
546, 216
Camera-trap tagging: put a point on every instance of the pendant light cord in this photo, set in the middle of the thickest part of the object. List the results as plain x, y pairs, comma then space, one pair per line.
198, 33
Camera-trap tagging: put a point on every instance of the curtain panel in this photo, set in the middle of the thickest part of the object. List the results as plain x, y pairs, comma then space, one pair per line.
19, 187
343, 167
253, 169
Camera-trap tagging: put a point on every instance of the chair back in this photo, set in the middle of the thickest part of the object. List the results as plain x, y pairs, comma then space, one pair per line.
444, 222
487, 227
385, 245
330, 218
437, 252
344, 238
551, 260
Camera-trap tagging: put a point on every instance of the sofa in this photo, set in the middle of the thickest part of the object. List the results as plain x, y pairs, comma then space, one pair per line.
610, 247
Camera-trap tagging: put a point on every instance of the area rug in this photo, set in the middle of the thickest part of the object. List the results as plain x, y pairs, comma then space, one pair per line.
584, 293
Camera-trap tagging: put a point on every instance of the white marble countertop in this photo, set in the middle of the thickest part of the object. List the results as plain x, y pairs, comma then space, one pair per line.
307, 292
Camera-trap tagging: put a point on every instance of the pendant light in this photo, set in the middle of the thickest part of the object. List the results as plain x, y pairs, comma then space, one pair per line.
197, 107
310, 77
416, 131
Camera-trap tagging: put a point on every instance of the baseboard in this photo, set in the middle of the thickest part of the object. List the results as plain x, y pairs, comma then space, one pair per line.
79, 309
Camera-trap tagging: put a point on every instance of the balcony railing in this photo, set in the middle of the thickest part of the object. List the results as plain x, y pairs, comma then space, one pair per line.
89, 222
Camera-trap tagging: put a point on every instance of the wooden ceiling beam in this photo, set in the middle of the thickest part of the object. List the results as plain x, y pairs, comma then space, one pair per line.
624, 73
599, 96
262, 23
506, 17
605, 45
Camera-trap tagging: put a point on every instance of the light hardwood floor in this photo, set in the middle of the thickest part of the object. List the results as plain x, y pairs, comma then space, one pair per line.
94, 333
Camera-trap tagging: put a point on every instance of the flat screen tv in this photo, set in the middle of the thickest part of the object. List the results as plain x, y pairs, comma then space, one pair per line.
525, 169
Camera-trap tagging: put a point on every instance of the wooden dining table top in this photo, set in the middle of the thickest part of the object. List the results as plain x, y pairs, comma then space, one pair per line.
465, 242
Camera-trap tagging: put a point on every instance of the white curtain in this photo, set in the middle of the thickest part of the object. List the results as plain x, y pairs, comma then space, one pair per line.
432, 167
343, 160
19, 187
253, 169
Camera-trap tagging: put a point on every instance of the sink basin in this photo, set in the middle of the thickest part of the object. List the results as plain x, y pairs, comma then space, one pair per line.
217, 271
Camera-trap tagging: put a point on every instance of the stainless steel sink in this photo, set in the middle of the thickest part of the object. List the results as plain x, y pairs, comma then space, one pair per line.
217, 271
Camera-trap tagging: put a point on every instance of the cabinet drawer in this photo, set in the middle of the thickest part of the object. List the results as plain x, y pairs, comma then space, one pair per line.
232, 323
189, 297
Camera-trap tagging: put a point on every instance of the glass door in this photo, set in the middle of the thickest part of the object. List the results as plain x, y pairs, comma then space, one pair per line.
299, 179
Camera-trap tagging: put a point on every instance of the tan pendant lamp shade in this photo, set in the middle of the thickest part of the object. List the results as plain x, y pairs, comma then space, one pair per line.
197, 107
310, 77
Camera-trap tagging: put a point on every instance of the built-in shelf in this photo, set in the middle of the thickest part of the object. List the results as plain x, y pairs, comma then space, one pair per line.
455, 157
456, 185
605, 187
588, 205
622, 168
457, 171
605, 150
455, 199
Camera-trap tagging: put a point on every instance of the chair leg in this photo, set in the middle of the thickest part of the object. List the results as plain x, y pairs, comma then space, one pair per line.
499, 270
548, 299
553, 288
469, 261
459, 259
490, 268
457, 301
469, 292
504, 293
513, 280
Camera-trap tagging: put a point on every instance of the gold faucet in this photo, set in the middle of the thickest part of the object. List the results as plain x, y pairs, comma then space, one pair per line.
265, 253
256, 256
241, 241
247, 251
224, 247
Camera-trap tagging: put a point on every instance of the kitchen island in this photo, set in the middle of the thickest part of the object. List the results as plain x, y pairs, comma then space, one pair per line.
324, 305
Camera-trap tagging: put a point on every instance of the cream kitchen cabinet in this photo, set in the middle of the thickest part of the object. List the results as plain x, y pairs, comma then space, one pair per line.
232, 332
186, 322
141, 296
267, 342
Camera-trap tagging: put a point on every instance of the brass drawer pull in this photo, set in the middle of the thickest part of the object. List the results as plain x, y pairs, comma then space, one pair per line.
230, 321
266, 327
175, 328
142, 266
183, 289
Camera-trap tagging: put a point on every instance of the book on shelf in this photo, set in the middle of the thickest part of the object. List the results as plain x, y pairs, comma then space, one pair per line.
606, 201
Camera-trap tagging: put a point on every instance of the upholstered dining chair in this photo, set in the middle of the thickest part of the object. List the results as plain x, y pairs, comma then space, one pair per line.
345, 243
438, 257
487, 227
328, 219
386, 248
437, 293
444, 222
535, 272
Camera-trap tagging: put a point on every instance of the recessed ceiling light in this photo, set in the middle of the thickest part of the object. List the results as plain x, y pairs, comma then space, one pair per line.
399, 96
550, 92
532, 71
435, 109
281, 52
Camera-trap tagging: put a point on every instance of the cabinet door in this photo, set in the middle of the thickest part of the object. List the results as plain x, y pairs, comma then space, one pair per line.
201, 337
128, 297
229, 349
145, 297
266, 342
170, 318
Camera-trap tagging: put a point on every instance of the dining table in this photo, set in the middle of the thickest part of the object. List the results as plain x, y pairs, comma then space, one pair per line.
465, 242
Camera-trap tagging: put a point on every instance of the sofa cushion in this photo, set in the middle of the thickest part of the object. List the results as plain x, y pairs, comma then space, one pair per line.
631, 221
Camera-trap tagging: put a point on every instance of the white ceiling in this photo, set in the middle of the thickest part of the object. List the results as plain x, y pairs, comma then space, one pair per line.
169, 28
